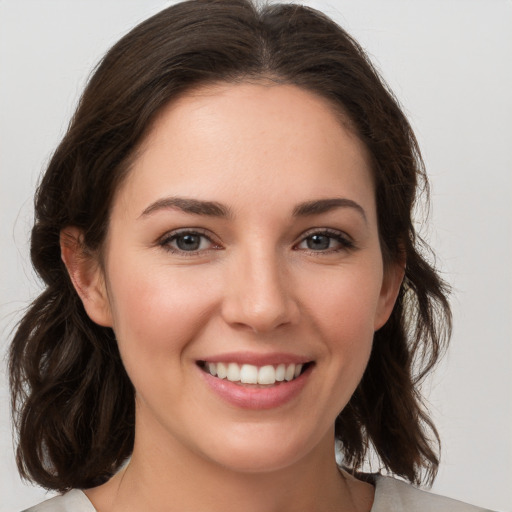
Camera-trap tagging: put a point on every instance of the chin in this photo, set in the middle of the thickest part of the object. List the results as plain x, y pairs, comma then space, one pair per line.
261, 451
257, 462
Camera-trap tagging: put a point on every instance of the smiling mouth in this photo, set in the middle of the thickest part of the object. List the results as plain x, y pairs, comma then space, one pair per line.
248, 374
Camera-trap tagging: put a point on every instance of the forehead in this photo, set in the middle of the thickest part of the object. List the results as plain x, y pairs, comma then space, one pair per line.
230, 139
255, 105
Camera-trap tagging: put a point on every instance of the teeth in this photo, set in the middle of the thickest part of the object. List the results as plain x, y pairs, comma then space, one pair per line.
290, 372
212, 368
233, 373
250, 374
222, 370
267, 375
280, 372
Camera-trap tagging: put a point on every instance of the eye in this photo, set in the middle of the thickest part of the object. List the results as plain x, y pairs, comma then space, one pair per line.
187, 241
326, 241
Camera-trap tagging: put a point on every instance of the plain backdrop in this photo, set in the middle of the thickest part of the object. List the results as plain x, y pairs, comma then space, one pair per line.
449, 63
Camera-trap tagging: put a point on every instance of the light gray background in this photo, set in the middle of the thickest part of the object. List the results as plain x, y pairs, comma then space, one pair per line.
448, 61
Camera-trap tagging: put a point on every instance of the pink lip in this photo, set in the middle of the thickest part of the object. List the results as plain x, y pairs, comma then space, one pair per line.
256, 398
257, 359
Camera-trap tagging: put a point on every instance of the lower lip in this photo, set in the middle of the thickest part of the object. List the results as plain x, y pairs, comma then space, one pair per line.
257, 398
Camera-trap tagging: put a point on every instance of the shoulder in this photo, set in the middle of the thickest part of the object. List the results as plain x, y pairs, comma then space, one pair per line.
73, 501
393, 495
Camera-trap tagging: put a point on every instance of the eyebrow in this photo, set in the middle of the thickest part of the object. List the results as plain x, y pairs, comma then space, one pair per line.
325, 205
215, 209
193, 206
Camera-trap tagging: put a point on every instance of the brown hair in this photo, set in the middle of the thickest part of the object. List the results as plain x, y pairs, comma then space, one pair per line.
72, 399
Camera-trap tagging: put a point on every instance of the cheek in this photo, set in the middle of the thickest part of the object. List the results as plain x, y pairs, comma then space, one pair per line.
157, 310
345, 301
343, 307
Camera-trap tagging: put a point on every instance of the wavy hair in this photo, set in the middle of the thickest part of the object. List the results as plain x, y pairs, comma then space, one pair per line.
73, 402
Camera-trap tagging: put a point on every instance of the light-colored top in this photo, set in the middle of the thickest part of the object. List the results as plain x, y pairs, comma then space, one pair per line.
391, 495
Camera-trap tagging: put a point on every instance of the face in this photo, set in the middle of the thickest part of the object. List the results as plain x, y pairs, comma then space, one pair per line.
243, 276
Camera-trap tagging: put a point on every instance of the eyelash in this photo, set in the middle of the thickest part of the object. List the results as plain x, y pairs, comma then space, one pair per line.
166, 240
346, 243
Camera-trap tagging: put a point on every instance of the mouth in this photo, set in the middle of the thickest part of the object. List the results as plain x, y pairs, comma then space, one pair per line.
251, 375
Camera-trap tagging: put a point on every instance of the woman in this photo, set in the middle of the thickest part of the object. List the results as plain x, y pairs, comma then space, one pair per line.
233, 278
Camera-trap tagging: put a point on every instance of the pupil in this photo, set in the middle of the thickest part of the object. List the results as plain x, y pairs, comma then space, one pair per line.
318, 242
188, 242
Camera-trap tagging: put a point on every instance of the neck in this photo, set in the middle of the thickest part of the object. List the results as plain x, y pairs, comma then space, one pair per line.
167, 476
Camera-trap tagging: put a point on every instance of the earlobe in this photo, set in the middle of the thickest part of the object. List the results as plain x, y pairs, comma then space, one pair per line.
391, 283
86, 275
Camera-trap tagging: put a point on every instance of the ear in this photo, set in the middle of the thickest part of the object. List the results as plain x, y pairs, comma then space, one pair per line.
392, 280
86, 275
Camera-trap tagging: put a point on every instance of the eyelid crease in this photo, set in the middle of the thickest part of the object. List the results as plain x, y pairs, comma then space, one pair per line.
335, 233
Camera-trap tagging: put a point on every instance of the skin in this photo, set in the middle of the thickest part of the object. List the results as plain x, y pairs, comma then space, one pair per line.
253, 285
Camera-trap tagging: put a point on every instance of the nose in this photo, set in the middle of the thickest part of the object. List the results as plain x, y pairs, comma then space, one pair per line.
259, 294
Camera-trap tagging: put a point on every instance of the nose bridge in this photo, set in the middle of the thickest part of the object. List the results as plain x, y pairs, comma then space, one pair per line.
259, 291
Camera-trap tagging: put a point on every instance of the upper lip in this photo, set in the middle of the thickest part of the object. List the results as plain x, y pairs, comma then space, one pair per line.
256, 359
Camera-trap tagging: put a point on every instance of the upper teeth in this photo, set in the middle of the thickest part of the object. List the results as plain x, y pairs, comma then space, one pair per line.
250, 374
